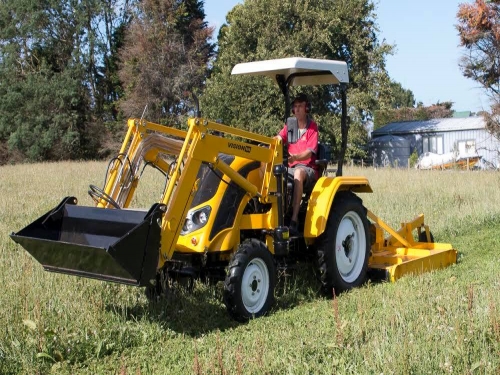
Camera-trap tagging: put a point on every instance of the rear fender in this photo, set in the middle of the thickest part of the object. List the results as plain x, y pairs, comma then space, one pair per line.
322, 197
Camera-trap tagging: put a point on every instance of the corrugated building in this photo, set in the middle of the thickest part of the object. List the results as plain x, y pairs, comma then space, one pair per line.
466, 136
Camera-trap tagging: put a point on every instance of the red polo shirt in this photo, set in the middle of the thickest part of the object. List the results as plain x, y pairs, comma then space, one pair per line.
308, 140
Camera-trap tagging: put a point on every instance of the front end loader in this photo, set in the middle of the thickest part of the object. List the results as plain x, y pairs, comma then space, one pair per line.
224, 211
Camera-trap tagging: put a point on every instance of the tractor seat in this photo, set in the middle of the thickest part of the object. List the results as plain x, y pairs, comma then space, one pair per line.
323, 158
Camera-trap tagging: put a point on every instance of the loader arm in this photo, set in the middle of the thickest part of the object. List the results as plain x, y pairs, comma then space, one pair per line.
179, 155
145, 142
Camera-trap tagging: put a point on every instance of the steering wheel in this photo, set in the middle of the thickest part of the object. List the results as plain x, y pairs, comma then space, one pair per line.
97, 194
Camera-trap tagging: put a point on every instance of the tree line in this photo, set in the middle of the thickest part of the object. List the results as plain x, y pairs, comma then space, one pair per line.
71, 71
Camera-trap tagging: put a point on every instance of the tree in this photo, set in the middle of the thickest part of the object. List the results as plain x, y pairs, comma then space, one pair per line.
394, 103
56, 76
165, 55
106, 22
401, 97
263, 29
479, 31
42, 100
420, 113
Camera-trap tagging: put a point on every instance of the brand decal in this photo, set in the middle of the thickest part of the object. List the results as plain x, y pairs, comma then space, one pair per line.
237, 146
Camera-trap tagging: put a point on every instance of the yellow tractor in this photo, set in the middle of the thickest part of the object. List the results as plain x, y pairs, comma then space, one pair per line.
224, 209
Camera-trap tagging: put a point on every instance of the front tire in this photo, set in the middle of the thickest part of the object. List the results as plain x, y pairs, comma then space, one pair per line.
250, 282
344, 246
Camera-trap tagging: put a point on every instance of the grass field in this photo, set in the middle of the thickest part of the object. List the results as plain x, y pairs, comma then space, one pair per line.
437, 323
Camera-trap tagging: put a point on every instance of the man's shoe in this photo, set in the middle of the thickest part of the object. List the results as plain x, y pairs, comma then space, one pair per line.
293, 229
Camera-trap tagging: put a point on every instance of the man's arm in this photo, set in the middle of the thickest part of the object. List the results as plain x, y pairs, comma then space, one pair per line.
304, 155
283, 135
311, 147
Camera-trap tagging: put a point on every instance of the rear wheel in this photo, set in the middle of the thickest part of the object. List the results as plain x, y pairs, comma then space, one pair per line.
344, 247
250, 282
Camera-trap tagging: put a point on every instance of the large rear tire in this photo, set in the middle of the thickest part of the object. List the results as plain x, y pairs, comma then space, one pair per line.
250, 282
344, 247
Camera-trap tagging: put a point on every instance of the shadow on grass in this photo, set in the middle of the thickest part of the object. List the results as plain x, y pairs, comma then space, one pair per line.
296, 286
303, 285
200, 310
192, 313
376, 276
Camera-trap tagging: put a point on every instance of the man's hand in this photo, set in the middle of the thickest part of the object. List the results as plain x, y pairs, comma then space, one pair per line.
300, 156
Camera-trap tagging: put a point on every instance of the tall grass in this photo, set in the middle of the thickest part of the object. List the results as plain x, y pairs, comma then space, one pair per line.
451, 201
440, 322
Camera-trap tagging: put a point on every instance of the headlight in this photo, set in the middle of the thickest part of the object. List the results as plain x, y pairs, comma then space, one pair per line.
196, 220
188, 226
201, 217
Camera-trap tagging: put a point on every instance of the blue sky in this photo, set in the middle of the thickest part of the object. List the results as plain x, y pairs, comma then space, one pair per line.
427, 52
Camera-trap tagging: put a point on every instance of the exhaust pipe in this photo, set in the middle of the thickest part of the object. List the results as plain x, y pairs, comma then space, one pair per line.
121, 246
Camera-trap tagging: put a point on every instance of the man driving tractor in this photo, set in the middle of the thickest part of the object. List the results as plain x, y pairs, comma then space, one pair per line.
302, 154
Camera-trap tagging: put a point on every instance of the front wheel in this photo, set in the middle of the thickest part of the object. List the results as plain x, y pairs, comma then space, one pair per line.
344, 247
250, 282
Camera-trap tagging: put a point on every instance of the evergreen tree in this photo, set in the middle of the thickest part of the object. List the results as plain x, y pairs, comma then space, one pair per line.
42, 101
58, 76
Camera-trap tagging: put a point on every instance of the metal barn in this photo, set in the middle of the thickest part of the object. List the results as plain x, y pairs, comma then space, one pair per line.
465, 136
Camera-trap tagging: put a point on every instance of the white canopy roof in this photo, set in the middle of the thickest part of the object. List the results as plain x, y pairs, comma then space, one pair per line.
307, 71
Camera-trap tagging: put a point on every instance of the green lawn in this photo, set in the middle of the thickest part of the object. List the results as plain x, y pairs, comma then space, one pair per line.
441, 322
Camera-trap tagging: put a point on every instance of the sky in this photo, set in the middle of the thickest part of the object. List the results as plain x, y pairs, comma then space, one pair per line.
427, 52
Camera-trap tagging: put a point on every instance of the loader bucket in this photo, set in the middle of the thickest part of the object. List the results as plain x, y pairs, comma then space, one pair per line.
106, 244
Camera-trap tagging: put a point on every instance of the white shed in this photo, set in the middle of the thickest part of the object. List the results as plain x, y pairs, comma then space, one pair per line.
464, 136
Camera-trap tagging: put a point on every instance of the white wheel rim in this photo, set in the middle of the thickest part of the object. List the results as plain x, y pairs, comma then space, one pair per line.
350, 246
255, 285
